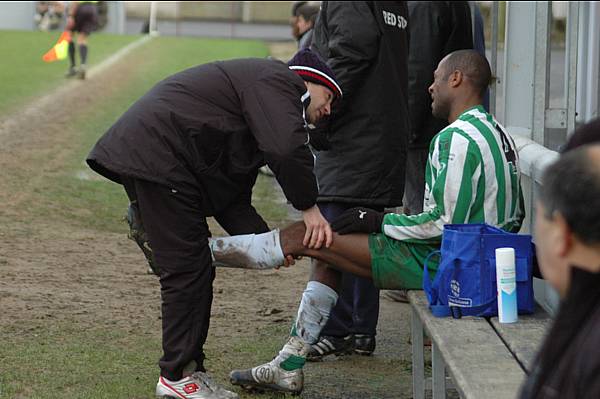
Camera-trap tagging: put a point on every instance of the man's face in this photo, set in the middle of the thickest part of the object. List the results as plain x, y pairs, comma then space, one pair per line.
295, 28
302, 25
551, 246
439, 91
320, 102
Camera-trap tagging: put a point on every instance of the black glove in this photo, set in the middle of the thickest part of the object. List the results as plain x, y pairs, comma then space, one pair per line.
358, 220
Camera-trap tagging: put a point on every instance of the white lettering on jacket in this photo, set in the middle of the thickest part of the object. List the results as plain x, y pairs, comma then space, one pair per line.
394, 20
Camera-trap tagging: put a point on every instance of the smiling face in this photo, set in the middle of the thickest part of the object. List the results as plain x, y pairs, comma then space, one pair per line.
320, 102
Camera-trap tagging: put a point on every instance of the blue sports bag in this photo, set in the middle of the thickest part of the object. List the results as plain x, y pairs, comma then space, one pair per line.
465, 283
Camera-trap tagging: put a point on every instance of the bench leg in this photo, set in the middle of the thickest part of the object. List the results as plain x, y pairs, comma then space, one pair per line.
438, 373
418, 370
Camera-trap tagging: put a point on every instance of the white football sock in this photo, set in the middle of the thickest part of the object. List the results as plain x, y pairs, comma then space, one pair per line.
248, 251
317, 301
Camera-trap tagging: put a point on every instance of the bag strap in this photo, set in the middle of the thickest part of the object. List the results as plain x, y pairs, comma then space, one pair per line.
426, 281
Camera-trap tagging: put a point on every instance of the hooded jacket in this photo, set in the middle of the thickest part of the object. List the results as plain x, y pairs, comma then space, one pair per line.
366, 45
205, 132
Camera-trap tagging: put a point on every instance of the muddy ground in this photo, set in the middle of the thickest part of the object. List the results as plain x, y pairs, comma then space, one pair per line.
52, 272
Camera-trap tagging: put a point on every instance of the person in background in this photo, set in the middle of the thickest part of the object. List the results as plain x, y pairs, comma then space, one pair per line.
567, 235
82, 20
302, 21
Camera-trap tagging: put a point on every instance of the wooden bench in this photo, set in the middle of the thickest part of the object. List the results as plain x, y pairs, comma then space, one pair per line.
484, 358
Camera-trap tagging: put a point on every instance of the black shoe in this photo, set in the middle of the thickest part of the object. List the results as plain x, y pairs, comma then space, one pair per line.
71, 72
328, 345
364, 344
81, 72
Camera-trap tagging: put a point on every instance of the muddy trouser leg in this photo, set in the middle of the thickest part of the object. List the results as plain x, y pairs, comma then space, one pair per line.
178, 234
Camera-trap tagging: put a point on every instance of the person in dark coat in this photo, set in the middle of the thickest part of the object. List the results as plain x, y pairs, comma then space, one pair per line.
190, 148
304, 20
363, 148
437, 28
567, 233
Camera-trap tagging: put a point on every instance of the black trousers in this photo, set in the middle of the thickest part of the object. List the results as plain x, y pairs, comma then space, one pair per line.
178, 234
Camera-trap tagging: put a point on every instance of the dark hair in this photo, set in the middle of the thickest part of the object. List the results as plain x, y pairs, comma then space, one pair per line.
295, 6
473, 65
585, 134
308, 12
571, 187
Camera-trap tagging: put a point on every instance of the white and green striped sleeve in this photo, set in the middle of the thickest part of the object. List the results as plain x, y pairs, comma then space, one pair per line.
453, 173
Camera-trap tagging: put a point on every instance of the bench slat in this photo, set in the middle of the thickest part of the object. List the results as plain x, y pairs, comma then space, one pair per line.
475, 356
524, 337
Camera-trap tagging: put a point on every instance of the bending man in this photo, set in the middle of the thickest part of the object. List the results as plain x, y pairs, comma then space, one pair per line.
191, 148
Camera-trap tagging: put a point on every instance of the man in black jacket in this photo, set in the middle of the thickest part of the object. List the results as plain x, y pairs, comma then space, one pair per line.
567, 237
191, 148
366, 45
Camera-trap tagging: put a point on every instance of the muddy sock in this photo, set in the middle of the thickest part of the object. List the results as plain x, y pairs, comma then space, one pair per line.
293, 354
313, 313
248, 251
317, 301
83, 50
72, 54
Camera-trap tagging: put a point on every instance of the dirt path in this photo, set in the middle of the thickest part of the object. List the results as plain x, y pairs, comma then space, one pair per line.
53, 272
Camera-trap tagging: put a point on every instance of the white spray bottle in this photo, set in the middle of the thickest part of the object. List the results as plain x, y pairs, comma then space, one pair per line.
507, 285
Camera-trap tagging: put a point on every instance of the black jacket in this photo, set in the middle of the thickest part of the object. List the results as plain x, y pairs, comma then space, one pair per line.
206, 131
366, 45
437, 28
568, 363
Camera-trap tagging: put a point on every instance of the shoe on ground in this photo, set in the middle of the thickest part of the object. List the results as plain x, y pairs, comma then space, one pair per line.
397, 295
71, 72
269, 377
329, 345
196, 386
81, 72
364, 344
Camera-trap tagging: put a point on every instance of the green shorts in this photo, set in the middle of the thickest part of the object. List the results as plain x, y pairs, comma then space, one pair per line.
399, 265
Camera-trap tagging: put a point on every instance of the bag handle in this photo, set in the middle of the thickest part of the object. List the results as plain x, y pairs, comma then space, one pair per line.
426, 281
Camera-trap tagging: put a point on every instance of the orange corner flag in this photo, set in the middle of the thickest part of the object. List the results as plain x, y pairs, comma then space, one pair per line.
60, 49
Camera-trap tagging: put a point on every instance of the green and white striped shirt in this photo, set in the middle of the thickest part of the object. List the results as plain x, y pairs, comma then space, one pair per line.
472, 176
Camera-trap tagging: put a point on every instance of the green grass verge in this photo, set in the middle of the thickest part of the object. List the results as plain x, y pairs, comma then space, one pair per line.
86, 363
25, 75
99, 363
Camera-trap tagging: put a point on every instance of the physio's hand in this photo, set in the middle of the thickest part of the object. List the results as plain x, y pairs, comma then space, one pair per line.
358, 220
318, 231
